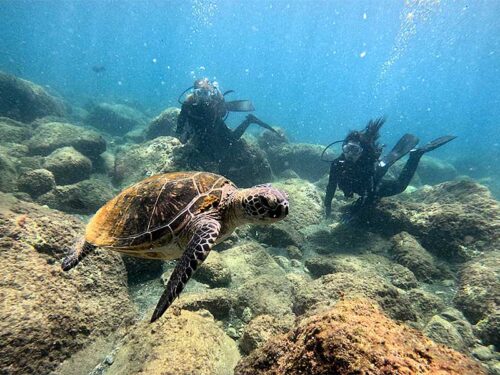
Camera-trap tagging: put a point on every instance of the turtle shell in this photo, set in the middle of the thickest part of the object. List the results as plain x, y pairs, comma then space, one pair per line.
153, 212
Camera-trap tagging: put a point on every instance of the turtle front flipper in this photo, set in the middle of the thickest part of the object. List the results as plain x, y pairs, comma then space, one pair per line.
79, 251
205, 234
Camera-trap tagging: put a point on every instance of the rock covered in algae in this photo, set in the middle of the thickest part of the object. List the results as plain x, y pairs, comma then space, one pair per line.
164, 124
407, 251
478, 295
262, 328
451, 329
8, 172
84, 197
53, 135
326, 290
354, 337
46, 314
36, 182
302, 158
13, 131
68, 165
177, 344
433, 171
26, 101
455, 220
136, 162
116, 119
214, 271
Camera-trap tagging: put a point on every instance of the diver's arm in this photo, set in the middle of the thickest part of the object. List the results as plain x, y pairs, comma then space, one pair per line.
182, 120
330, 189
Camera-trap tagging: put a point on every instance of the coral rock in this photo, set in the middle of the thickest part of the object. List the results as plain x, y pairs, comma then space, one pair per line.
164, 124
262, 328
407, 251
137, 162
84, 197
478, 292
183, 344
454, 220
25, 101
45, 310
303, 158
324, 291
53, 135
36, 182
68, 165
214, 271
116, 119
13, 131
354, 338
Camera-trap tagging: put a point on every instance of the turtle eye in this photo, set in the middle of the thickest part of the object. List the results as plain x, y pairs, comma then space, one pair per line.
264, 202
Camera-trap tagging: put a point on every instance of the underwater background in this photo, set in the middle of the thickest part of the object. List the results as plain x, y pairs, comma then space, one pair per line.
89, 105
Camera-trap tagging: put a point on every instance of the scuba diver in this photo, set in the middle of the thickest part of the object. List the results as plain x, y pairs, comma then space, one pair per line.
360, 168
203, 115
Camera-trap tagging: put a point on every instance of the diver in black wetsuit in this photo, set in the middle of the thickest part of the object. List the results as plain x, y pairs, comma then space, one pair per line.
203, 113
360, 168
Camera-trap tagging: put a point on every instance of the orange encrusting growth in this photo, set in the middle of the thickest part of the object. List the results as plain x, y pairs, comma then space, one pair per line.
355, 337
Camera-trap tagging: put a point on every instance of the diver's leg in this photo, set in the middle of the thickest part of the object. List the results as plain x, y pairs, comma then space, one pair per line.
238, 132
251, 119
388, 188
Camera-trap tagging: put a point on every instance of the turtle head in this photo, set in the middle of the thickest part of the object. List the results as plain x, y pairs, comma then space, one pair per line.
263, 204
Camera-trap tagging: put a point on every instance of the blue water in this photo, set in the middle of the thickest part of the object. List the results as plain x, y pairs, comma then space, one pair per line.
315, 68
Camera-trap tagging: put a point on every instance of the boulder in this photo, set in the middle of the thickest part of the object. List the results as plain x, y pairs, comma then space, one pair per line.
398, 275
163, 125
355, 337
242, 162
262, 328
249, 261
25, 101
185, 344
213, 271
478, 294
68, 165
46, 314
408, 252
84, 197
488, 329
433, 171
446, 332
8, 173
36, 182
303, 158
267, 294
115, 119
326, 290
453, 220
220, 302
12, 131
53, 135
136, 162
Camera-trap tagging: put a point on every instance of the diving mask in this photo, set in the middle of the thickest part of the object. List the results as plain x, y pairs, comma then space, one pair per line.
204, 90
352, 151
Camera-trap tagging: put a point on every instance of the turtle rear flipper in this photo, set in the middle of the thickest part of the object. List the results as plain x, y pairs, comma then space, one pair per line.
79, 251
205, 234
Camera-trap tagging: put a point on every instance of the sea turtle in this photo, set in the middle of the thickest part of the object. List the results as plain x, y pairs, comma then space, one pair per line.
177, 215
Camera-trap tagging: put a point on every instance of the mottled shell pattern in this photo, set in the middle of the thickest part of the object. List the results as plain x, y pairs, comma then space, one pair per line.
153, 212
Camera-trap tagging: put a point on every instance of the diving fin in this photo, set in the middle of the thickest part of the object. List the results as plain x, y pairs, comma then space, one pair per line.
239, 106
404, 146
438, 142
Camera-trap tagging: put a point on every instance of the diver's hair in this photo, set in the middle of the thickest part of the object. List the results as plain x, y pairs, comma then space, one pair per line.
368, 138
